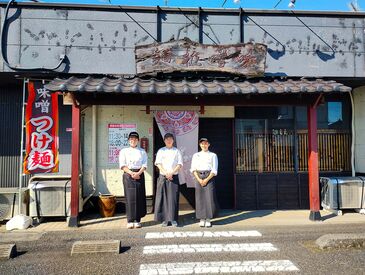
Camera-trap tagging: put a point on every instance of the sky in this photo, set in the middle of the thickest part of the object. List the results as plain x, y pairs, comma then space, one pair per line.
328, 5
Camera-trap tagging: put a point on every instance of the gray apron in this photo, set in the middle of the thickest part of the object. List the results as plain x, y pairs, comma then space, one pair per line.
206, 203
135, 195
167, 199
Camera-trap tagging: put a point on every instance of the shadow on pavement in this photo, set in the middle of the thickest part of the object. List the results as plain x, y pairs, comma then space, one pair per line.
96, 219
228, 217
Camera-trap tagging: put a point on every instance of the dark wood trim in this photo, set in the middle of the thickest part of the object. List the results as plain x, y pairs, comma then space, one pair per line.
277, 191
295, 140
158, 24
75, 166
282, 190
242, 38
200, 29
299, 191
257, 191
195, 100
234, 163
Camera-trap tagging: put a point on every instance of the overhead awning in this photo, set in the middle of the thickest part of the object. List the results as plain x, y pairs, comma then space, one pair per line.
198, 86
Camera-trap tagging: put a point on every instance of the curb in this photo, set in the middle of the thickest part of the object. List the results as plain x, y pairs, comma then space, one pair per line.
17, 236
341, 241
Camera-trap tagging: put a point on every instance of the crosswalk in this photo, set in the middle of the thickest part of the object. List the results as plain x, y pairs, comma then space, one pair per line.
200, 248
202, 234
212, 267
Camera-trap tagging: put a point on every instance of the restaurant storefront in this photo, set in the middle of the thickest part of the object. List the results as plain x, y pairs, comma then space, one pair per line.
277, 119
261, 137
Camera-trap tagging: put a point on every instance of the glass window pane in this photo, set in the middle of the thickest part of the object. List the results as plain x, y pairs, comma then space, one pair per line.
334, 112
265, 139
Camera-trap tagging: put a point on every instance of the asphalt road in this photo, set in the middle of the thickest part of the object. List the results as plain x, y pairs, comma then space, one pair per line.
51, 254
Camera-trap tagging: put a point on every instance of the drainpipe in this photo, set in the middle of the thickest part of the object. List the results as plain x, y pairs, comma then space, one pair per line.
352, 135
21, 150
93, 153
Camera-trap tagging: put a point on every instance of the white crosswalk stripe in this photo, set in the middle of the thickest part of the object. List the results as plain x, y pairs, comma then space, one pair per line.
202, 234
218, 267
199, 248
213, 267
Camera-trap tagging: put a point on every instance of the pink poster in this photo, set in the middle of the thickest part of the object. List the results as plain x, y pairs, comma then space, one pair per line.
185, 127
118, 139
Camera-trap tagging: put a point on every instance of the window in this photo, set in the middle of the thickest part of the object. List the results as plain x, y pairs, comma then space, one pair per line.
265, 144
275, 139
334, 113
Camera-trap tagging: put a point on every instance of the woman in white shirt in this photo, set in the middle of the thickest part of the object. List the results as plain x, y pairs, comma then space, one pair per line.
204, 166
169, 161
133, 161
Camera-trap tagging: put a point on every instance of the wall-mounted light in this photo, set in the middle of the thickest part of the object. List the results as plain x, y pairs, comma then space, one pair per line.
291, 4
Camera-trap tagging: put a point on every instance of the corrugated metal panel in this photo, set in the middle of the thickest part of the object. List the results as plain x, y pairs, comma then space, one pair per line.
102, 41
10, 132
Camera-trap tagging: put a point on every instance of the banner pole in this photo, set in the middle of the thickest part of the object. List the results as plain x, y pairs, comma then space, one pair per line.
21, 150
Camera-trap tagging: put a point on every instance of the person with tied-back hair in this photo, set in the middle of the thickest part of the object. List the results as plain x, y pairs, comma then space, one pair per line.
169, 162
133, 161
204, 166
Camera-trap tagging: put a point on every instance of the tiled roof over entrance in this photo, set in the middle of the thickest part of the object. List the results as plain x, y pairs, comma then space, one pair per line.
216, 86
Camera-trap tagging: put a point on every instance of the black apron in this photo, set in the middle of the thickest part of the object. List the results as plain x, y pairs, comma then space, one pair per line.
135, 195
167, 199
206, 203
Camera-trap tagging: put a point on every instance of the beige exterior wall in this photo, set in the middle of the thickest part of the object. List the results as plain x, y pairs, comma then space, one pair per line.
359, 105
109, 175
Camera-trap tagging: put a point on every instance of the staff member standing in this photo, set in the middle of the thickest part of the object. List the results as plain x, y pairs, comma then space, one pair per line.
169, 162
204, 166
133, 161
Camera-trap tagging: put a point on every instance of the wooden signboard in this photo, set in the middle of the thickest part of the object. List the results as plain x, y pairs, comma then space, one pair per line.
184, 55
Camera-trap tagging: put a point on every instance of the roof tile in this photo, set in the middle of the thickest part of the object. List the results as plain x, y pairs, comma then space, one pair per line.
148, 86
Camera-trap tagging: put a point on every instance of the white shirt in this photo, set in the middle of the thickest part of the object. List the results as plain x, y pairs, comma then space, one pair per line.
169, 158
204, 161
133, 158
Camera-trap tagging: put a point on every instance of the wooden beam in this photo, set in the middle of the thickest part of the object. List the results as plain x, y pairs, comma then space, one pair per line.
73, 220
202, 110
313, 167
195, 100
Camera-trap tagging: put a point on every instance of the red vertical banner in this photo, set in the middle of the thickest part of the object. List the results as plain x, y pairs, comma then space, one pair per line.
41, 118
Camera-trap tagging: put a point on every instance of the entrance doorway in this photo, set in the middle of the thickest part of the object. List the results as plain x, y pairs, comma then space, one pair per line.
187, 195
219, 133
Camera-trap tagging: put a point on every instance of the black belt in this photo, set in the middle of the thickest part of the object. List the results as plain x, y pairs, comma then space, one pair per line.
204, 171
135, 170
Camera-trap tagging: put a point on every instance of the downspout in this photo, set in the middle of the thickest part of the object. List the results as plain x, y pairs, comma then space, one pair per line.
352, 135
21, 177
93, 153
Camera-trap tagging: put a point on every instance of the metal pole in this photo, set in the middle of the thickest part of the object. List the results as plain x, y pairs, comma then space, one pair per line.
21, 150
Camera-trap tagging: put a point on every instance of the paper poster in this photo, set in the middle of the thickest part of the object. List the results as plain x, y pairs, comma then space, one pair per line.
118, 139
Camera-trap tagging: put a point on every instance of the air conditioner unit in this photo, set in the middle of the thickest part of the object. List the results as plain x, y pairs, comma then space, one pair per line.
51, 197
343, 193
9, 202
